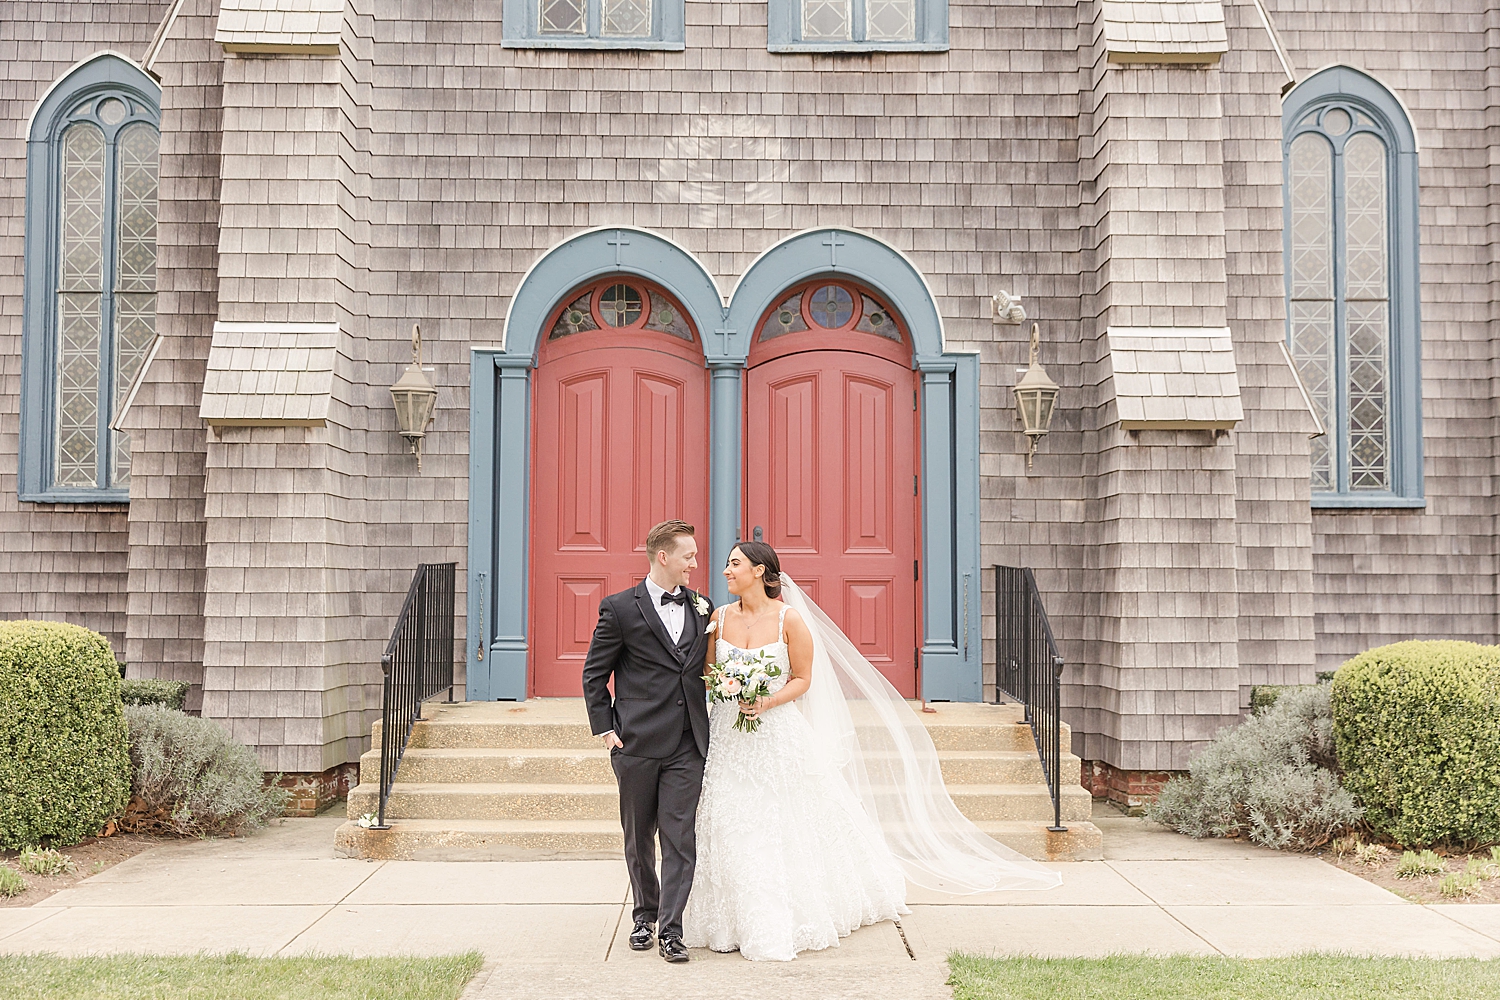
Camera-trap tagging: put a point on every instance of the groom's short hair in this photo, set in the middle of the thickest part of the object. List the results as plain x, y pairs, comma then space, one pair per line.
663, 537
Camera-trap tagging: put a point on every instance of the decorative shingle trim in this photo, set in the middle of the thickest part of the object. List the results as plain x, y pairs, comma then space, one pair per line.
310, 27
1164, 31
1174, 379
269, 374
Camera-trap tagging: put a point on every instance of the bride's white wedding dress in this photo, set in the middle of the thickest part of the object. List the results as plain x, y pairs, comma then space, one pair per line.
788, 860
812, 825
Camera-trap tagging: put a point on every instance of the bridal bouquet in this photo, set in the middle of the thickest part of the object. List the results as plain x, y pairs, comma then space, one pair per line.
743, 677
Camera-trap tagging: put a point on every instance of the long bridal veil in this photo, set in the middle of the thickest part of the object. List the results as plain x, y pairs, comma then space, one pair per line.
866, 732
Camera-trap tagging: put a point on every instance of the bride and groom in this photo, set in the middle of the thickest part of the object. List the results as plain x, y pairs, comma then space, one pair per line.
786, 834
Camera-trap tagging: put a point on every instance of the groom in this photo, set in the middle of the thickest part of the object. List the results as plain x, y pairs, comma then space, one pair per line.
650, 639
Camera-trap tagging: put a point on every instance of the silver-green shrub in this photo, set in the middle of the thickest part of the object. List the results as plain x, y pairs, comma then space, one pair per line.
192, 777
1270, 779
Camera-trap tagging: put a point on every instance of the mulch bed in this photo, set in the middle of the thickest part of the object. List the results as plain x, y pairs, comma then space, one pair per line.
94, 855
1423, 889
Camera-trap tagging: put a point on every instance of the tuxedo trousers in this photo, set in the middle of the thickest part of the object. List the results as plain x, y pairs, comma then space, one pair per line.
659, 797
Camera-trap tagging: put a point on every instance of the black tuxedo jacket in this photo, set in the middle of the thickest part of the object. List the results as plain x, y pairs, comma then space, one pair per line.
658, 683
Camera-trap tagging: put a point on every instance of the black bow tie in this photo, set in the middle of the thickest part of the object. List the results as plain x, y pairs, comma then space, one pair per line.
678, 598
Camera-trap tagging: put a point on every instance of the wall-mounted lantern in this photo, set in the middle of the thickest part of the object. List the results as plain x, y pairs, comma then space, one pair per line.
1036, 395
414, 397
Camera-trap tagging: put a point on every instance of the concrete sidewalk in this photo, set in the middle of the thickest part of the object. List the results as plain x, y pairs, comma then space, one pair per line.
557, 929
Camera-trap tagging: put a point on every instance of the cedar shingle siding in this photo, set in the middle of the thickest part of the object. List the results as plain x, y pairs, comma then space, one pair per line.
366, 164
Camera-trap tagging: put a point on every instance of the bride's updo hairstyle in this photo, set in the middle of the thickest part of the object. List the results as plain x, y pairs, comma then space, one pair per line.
761, 554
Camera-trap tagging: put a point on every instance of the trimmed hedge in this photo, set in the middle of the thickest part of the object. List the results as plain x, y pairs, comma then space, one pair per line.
155, 691
64, 762
1417, 726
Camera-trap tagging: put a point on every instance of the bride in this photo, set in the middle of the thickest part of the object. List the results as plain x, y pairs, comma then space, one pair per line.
811, 825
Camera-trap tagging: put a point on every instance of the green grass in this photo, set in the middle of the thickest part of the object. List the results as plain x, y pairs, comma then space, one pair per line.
235, 977
1307, 977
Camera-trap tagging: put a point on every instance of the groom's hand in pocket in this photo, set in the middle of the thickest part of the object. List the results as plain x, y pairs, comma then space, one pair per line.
612, 742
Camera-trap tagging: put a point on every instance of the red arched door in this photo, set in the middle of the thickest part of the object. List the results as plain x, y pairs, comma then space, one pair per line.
831, 463
620, 443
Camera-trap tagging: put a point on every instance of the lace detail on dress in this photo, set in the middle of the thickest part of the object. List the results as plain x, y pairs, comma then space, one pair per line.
788, 860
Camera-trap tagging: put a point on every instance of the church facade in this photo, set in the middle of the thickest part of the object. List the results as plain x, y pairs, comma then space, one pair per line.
770, 267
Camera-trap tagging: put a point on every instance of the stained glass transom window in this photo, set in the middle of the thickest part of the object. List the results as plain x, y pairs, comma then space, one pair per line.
837, 308
105, 318
621, 305
1343, 296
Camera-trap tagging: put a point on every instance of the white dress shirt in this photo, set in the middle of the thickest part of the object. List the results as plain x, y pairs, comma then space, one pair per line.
673, 616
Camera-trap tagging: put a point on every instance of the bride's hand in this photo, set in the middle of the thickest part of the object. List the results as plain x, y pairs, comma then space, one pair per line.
752, 709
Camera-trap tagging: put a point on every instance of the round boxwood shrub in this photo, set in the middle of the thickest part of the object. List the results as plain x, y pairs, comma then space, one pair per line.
1417, 726
64, 761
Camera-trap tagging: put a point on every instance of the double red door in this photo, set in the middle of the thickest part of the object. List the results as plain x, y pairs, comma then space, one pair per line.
831, 483
621, 444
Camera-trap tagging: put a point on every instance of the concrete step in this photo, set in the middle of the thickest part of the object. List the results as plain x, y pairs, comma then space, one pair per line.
516, 801
514, 840
482, 840
1020, 802
526, 765
1001, 767
543, 765
1082, 841
561, 723
489, 800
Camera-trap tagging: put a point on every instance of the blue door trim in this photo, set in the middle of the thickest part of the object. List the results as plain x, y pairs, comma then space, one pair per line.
500, 433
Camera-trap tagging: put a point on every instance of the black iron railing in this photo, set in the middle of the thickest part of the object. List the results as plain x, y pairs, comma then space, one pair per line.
1029, 670
418, 664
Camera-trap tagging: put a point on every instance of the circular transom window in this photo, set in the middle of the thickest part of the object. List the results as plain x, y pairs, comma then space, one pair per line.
614, 304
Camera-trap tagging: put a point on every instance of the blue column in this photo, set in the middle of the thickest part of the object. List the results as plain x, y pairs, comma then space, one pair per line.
951, 650
511, 574
968, 679
480, 616
725, 442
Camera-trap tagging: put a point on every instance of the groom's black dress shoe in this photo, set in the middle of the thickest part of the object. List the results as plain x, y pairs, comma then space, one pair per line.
640, 938
673, 950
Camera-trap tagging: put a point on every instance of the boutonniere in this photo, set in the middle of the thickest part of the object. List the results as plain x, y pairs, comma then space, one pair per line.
700, 604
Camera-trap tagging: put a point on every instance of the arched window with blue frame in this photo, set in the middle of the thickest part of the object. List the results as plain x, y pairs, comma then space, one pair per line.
1352, 285
90, 299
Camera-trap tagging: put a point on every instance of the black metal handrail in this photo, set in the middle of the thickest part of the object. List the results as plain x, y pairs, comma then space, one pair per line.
417, 663
1028, 669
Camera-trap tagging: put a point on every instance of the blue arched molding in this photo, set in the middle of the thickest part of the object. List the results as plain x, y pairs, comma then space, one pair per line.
107, 72
1348, 86
500, 432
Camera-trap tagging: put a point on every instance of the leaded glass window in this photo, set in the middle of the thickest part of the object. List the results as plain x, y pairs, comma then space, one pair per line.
91, 279
651, 24
849, 25
1351, 287
621, 304
833, 307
